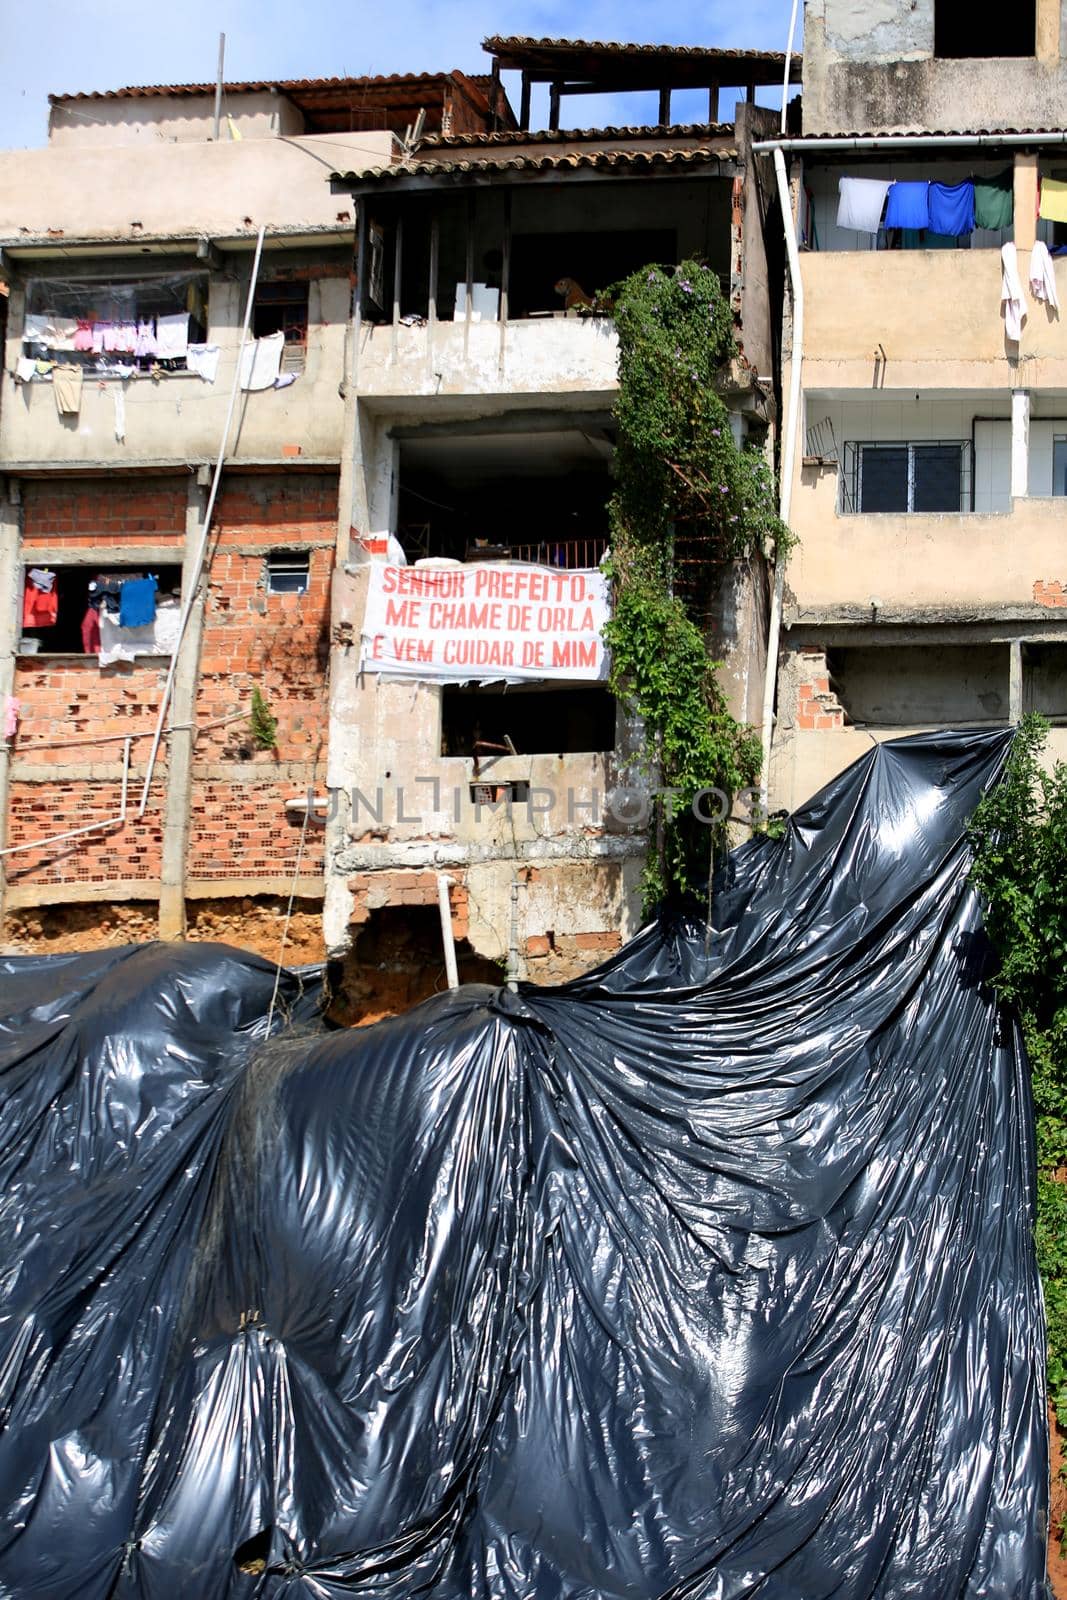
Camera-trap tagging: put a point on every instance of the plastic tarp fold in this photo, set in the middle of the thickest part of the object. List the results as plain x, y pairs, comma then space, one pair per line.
709, 1275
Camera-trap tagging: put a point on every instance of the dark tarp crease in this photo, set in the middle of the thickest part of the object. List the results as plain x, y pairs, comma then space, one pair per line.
705, 1276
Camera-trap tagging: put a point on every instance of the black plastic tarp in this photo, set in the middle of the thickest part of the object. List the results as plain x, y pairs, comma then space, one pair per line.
704, 1276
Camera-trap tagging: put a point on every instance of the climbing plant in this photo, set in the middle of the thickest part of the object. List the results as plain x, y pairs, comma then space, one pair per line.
1019, 834
262, 721
687, 502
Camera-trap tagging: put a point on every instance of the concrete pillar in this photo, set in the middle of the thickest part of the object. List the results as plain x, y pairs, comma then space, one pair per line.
1020, 443
1015, 683
10, 626
1026, 169
1048, 30
180, 742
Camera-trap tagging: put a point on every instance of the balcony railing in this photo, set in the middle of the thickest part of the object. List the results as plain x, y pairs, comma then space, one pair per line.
573, 555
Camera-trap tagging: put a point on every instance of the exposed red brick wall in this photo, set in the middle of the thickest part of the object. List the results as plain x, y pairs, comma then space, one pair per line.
106, 511
278, 642
37, 810
818, 708
71, 699
1050, 593
243, 830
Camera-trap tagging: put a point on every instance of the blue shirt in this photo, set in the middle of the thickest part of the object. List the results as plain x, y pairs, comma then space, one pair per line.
137, 602
908, 205
952, 208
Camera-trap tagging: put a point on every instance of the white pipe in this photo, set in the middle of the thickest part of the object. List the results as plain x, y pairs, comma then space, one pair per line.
788, 59
198, 564
906, 141
92, 827
789, 456
451, 971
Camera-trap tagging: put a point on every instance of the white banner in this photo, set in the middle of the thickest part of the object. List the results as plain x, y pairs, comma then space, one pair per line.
485, 620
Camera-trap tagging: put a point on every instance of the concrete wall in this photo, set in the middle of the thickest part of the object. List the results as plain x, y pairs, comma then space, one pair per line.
871, 66
543, 356
224, 191
180, 417
145, 120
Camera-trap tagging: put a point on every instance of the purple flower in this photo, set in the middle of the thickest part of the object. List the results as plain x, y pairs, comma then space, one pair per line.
717, 433
685, 286
723, 489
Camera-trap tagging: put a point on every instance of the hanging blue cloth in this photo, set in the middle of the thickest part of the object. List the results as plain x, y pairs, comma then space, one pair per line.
908, 205
137, 602
952, 208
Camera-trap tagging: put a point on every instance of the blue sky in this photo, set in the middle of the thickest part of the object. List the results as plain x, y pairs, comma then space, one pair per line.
69, 45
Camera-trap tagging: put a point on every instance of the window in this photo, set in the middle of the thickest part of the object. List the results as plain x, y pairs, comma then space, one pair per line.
114, 328
288, 572
927, 476
281, 307
74, 588
963, 30
1059, 463
921, 686
490, 722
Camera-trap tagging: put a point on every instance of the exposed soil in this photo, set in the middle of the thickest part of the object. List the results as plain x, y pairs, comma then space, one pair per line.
1057, 1561
397, 961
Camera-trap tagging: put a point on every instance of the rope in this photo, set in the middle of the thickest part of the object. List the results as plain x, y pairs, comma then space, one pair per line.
288, 915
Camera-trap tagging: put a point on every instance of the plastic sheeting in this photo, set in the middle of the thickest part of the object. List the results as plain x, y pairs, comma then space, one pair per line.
702, 1276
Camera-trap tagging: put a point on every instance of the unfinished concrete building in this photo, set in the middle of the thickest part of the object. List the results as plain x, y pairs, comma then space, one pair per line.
422, 389
129, 245
480, 431
929, 356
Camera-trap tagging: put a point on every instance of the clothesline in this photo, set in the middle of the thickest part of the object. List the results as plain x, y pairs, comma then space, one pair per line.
946, 210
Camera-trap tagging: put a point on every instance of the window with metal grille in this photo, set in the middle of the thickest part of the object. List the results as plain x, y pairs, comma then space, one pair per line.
963, 30
932, 475
288, 572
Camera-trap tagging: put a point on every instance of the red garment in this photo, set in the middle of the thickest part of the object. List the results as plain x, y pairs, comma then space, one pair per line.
91, 632
39, 610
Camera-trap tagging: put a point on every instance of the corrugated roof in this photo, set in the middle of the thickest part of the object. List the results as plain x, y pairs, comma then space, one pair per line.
602, 62
283, 85
498, 45
458, 141
576, 160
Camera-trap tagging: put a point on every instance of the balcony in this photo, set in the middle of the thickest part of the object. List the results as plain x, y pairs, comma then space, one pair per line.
537, 355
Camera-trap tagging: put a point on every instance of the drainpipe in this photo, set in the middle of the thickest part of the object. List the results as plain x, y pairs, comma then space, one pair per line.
789, 456
452, 975
198, 565
910, 141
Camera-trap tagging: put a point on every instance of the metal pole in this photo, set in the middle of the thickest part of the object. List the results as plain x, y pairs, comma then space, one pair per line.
218, 86
513, 941
788, 60
198, 567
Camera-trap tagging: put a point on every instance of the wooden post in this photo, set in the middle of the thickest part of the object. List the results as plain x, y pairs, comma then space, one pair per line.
469, 307
524, 103
398, 269
435, 246
505, 273
665, 108
553, 108
713, 102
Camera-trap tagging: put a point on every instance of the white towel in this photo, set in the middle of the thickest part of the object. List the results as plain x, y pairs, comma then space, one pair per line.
172, 336
1011, 292
1043, 275
861, 203
156, 638
262, 361
204, 359
118, 395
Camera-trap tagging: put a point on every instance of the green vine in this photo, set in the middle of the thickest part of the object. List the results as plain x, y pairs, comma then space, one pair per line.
687, 502
1019, 834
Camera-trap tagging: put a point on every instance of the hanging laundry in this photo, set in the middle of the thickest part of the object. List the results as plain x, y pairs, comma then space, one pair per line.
83, 334
137, 602
1053, 199
1043, 276
145, 343
67, 384
908, 205
172, 336
40, 606
993, 201
12, 712
43, 578
119, 398
261, 361
25, 369
101, 336
156, 638
203, 359
1012, 302
952, 208
91, 630
42, 367
860, 203
35, 328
